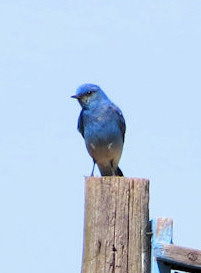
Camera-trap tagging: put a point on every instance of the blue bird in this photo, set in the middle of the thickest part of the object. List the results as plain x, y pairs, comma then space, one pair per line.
102, 126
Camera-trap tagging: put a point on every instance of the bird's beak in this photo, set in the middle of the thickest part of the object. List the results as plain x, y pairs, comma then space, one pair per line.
74, 97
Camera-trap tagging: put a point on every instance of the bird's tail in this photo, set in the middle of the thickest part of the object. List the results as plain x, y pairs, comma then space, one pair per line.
118, 172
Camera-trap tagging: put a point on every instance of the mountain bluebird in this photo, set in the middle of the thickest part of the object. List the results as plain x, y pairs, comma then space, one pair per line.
102, 126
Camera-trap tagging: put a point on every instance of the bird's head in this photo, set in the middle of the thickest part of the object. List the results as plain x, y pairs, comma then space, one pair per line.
89, 95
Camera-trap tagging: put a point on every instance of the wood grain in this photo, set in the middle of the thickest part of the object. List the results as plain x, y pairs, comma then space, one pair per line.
116, 225
179, 257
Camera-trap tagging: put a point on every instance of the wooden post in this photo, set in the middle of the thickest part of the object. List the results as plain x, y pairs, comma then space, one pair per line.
116, 235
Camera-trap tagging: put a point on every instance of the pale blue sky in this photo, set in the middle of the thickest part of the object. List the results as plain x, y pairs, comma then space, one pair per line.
146, 56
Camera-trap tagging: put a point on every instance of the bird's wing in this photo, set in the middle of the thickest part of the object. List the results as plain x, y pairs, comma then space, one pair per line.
120, 120
80, 125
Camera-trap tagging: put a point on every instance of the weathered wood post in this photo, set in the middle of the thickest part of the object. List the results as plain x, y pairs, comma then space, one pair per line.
116, 235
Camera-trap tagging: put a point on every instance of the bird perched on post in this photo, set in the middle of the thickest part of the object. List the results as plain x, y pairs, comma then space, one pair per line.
102, 126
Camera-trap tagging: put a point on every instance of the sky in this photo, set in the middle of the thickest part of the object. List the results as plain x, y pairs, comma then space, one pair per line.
146, 57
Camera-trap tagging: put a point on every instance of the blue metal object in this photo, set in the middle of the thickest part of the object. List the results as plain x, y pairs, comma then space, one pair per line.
166, 256
162, 230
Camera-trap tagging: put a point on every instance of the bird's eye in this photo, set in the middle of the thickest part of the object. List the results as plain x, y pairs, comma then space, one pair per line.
89, 92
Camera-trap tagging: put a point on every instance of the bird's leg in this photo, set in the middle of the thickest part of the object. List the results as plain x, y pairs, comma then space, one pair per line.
94, 162
113, 171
